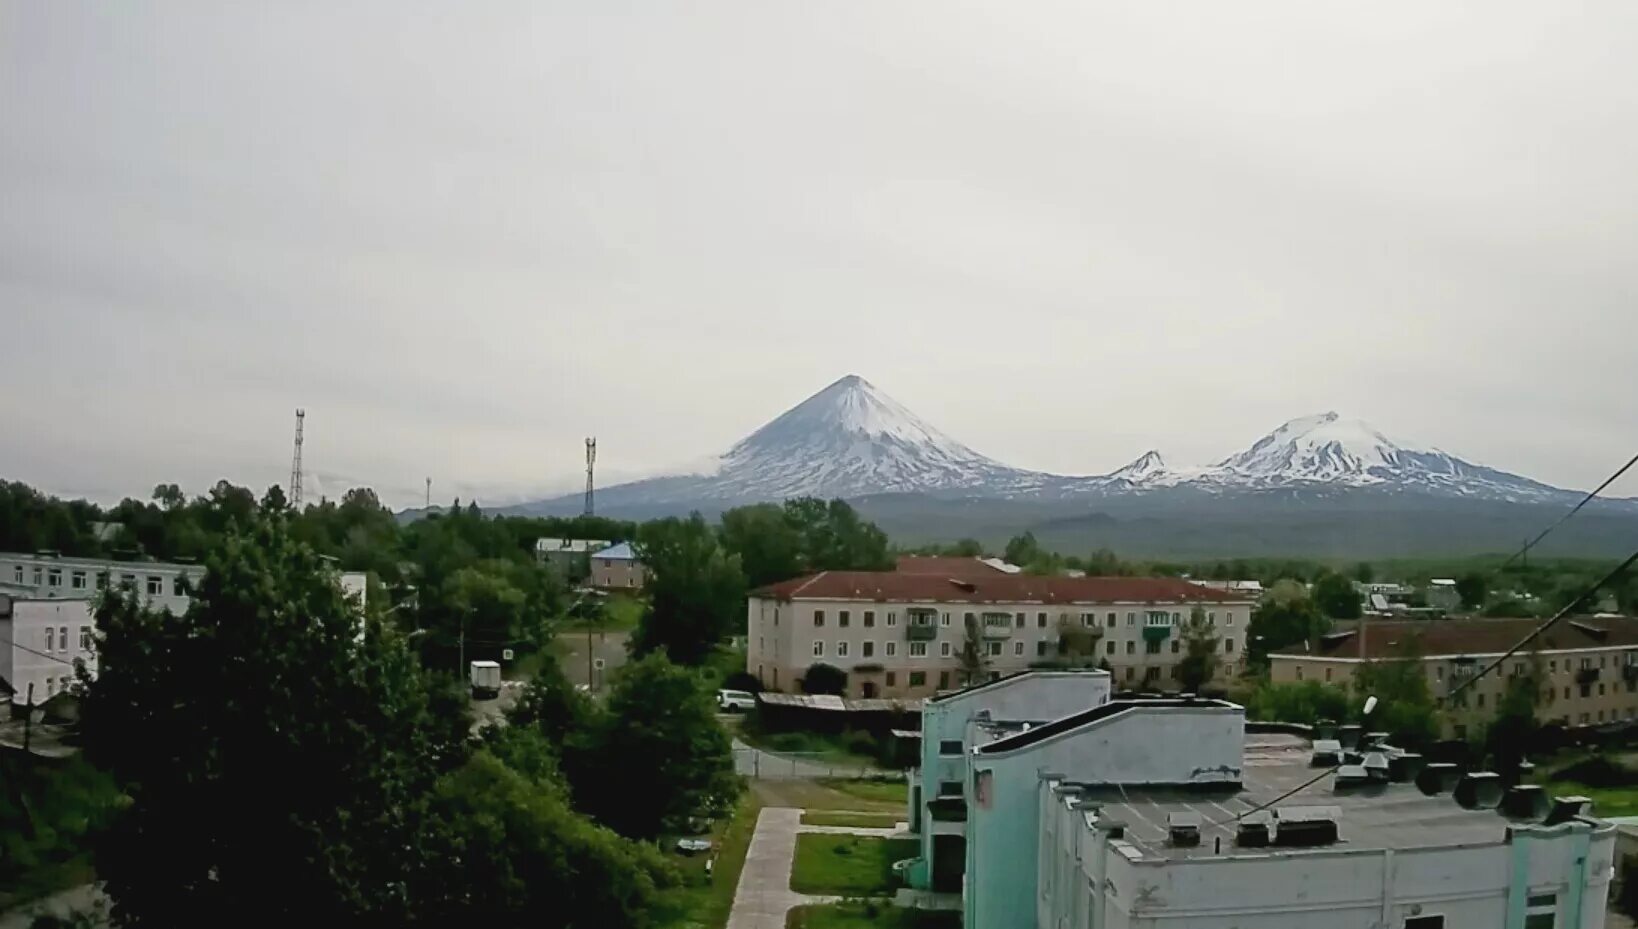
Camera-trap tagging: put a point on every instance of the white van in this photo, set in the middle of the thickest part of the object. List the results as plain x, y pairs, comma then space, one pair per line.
486, 679
735, 701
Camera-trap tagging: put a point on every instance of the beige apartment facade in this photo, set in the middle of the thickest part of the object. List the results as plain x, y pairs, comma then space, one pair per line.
1589, 665
898, 634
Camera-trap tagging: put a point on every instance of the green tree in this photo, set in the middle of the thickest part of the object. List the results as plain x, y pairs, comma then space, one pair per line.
973, 664
204, 718
1199, 663
513, 852
1510, 734
1278, 623
1405, 707
696, 591
1364, 572
1022, 550
769, 544
967, 548
822, 678
1336, 596
1472, 588
274, 500
662, 755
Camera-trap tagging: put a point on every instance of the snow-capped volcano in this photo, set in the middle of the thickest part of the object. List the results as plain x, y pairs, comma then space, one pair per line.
851, 439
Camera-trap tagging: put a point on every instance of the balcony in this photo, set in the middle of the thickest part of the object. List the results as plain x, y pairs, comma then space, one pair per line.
997, 625
1157, 633
921, 632
1586, 675
1629, 672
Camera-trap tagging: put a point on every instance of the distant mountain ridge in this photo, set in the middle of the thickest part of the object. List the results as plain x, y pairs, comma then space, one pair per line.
852, 440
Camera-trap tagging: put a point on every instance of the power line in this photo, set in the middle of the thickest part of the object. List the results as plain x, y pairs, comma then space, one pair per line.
4, 641
1548, 624
1573, 510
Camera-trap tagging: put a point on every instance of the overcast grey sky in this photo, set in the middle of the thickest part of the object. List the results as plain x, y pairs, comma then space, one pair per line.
465, 235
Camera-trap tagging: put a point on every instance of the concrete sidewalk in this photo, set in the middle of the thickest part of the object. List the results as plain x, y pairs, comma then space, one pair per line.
764, 894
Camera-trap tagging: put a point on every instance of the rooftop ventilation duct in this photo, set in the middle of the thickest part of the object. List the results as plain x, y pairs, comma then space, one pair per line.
1353, 778
1327, 753
1183, 829
1566, 809
1376, 765
1525, 802
1306, 826
1349, 735
1438, 778
1404, 767
1373, 741
1252, 831
1480, 790
1113, 828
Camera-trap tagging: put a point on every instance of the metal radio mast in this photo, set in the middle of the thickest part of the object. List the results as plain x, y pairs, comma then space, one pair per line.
591, 460
295, 465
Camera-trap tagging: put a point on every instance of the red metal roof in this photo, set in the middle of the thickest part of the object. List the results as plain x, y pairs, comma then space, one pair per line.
944, 566
1435, 637
883, 586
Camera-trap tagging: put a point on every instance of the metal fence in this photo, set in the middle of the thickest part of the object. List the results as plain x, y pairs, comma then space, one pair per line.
752, 762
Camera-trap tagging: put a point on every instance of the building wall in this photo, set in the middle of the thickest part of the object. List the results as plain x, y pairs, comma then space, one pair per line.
783, 637
78, 578
42, 641
625, 573
1086, 879
1611, 694
1203, 745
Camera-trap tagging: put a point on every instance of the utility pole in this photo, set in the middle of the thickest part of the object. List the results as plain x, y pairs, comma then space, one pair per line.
591, 459
28, 718
429, 493
295, 464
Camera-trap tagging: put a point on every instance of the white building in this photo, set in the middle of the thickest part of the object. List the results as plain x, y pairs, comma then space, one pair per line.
42, 643
899, 633
162, 585
1165, 813
1442, 594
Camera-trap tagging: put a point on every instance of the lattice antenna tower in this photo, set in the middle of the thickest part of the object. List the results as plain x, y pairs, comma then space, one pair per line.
295, 464
591, 461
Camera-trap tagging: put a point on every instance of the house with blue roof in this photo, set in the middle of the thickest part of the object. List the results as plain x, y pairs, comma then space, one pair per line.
618, 567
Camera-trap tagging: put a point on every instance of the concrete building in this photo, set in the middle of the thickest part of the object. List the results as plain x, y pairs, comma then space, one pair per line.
571, 556
46, 576
951, 725
901, 634
1164, 812
42, 643
1441, 594
618, 567
1589, 665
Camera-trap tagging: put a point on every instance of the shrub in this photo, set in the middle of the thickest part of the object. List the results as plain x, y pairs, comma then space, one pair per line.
859, 742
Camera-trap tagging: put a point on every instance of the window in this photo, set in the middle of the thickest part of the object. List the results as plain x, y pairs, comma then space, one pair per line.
62, 638
1540, 911
892, 678
1424, 922
968, 618
1017, 648
1151, 648
995, 648
1586, 690
55, 577
1601, 690
1327, 674
1018, 620
1131, 619
51, 639
892, 649
1040, 620
1228, 646
1129, 671
156, 585
949, 746
1552, 666
19, 570
917, 650
85, 638
818, 617
1480, 701
841, 619
870, 619
1518, 669
1089, 619
867, 650
77, 580
1600, 661
1228, 619
944, 649
1040, 649
1131, 648
1151, 673
102, 580
179, 585
1175, 646
949, 788
1299, 672
818, 649
918, 678
1211, 617
1110, 621
1177, 619
944, 619
36, 577
892, 619
1109, 647
1566, 693
841, 649
943, 680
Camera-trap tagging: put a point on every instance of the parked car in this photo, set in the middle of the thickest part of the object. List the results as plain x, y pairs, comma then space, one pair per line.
735, 701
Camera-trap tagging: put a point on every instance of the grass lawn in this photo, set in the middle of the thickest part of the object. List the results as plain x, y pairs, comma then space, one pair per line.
703, 902
847, 864
856, 914
805, 794
1607, 801
894, 792
843, 818
621, 612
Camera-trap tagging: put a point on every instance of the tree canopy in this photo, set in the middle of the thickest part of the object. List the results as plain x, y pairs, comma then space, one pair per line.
696, 590
777, 542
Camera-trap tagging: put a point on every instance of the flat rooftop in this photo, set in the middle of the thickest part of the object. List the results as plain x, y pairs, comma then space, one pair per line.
1399, 816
